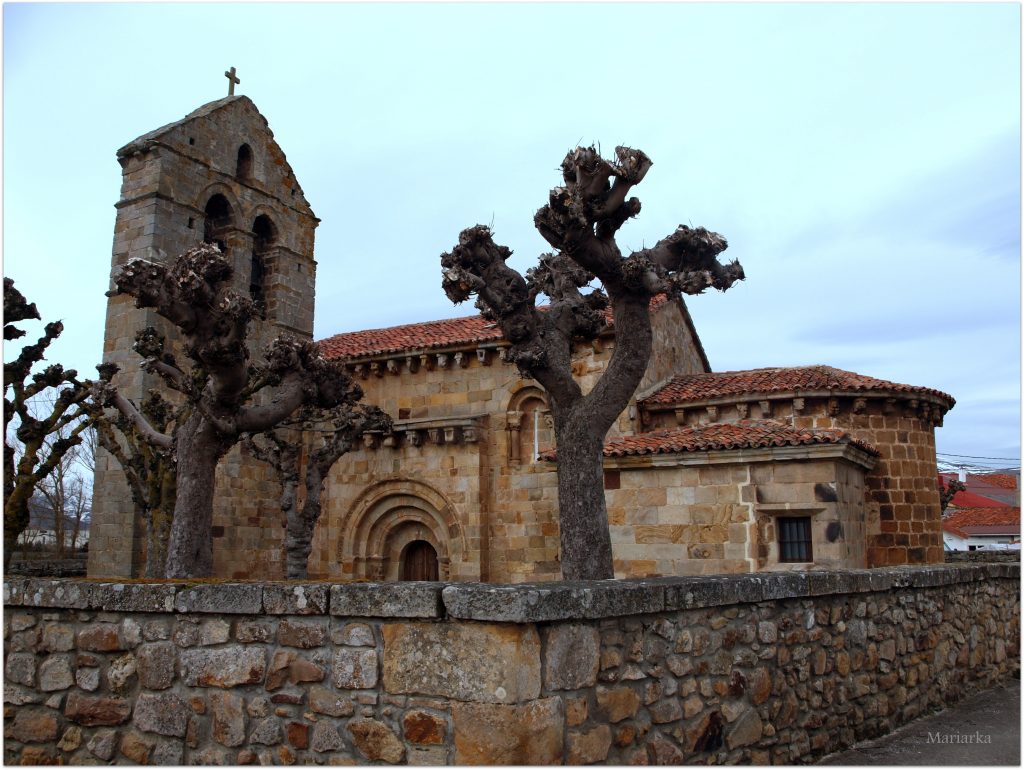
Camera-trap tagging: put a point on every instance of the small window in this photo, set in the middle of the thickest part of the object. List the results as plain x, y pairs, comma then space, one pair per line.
243, 168
794, 538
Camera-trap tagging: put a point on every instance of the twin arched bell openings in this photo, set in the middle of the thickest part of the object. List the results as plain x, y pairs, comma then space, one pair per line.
217, 225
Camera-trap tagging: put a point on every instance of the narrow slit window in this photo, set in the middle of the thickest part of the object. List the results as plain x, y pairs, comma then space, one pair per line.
795, 539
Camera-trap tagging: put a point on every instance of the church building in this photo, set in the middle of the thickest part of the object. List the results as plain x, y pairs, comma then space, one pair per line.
705, 472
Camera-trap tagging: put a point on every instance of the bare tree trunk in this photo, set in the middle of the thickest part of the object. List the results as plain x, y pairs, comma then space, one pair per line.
582, 511
302, 524
190, 551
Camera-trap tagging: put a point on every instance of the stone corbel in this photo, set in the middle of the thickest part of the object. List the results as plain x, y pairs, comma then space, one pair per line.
390, 440
503, 354
890, 406
414, 437
461, 360
680, 415
371, 440
482, 357
766, 409
377, 369
712, 413
427, 362
833, 407
469, 434
742, 410
450, 435
860, 405
361, 371
394, 365
442, 360
798, 405
436, 435
412, 363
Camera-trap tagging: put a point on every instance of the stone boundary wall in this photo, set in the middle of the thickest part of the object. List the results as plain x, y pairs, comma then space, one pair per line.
756, 668
977, 557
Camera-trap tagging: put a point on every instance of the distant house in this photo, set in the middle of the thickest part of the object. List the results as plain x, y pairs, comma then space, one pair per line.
968, 529
1002, 487
41, 530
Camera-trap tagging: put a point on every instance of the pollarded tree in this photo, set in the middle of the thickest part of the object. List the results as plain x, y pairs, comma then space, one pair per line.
219, 388
44, 433
150, 470
580, 221
333, 433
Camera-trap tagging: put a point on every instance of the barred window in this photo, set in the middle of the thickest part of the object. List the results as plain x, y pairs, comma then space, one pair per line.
794, 538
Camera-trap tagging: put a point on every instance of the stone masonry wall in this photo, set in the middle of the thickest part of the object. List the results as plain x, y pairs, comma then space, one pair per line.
759, 669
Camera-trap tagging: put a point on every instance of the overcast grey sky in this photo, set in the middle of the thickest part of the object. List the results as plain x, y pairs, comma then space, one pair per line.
862, 159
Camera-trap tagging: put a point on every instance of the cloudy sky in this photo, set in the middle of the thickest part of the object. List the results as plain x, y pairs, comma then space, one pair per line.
863, 161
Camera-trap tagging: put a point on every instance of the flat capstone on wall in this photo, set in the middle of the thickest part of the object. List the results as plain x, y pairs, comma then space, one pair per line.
760, 668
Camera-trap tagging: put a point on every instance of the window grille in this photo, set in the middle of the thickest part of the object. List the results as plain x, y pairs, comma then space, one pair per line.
794, 538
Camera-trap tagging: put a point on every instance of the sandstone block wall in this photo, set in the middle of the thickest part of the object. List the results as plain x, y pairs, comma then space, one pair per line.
717, 514
903, 523
761, 669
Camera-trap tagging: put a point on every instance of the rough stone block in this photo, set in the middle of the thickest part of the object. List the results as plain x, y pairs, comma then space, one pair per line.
96, 711
482, 662
376, 741
55, 673
133, 597
566, 600
227, 598
497, 734
387, 600
571, 656
228, 727
32, 726
424, 728
163, 713
616, 703
155, 665
223, 667
355, 668
299, 633
304, 599
589, 747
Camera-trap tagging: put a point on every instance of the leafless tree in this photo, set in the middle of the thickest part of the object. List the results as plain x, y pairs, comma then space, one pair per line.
947, 491
150, 470
35, 439
333, 433
219, 388
580, 222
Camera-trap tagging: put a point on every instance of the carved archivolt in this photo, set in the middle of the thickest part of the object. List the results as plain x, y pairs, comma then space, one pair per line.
389, 515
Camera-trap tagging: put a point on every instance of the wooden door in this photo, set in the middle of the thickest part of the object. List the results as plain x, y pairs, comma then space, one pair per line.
419, 561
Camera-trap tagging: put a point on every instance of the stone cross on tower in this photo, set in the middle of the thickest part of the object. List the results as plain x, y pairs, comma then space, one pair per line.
232, 81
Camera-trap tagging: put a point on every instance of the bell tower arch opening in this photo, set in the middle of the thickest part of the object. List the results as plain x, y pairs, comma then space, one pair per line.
219, 219
264, 238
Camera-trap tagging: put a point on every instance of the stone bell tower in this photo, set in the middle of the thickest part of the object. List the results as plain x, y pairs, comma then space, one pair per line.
216, 176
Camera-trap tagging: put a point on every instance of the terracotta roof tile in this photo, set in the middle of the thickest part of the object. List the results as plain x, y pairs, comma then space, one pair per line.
974, 500
394, 339
746, 434
967, 521
428, 334
699, 387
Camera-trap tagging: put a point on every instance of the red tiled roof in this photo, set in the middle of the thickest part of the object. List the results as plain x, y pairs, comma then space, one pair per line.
987, 521
973, 500
746, 434
699, 387
427, 334
1000, 480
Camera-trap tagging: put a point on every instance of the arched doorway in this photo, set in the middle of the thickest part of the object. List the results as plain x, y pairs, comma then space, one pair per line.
419, 561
